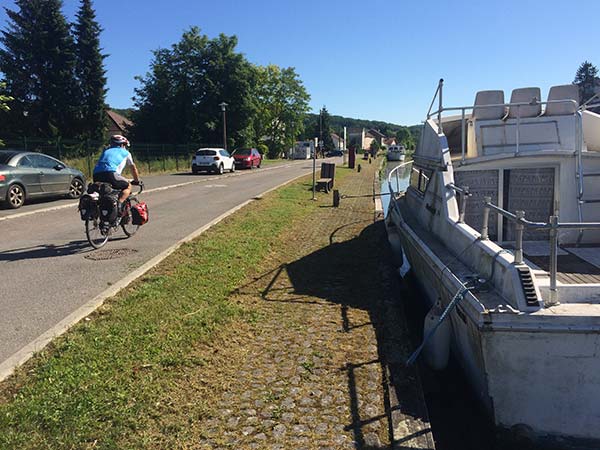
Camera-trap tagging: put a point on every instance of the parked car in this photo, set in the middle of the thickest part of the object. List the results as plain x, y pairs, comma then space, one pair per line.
334, 153
216, 160
247, 158
26, 175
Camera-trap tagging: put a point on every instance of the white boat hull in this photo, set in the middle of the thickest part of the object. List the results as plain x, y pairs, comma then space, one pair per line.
544, 380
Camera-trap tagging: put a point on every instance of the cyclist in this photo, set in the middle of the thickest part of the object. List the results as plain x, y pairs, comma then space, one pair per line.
112, 162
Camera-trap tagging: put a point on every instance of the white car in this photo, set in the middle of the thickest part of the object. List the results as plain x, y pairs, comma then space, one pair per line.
216, 160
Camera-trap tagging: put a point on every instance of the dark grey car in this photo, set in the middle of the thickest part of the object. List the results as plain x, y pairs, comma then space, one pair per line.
28, 175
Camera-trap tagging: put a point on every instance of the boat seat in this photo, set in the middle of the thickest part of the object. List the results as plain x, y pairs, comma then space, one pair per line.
563, 92
525, 95
489, 98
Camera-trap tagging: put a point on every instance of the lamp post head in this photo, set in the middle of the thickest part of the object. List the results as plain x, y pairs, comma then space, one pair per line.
223, 106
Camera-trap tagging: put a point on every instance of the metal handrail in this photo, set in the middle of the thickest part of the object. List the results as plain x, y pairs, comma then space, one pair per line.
462, 208
394, 172
553, 225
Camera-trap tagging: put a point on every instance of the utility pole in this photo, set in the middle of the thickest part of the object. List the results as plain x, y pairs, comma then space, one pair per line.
223, 105
314, 197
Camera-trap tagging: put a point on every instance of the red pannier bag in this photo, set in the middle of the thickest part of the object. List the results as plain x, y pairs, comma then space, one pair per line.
139, 213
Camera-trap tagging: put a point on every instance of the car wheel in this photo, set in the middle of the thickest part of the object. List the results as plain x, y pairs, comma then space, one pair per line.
194, 171
221, 169
76, 188
259, 161
15, 196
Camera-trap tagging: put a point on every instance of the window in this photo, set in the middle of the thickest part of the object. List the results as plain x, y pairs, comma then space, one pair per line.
419, 179
224, 153
206, 153
24, 162
43, 162
243, 151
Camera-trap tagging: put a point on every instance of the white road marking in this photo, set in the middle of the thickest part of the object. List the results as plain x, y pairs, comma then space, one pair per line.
163, 188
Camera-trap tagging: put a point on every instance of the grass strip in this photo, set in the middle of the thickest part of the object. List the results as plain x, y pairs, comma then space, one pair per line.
102, 380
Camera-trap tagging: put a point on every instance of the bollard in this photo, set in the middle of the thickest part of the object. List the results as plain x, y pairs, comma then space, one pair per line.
359, 168
336, 198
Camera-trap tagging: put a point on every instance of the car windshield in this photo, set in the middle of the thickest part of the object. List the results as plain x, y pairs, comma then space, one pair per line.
243, 151
206, 153
5, 157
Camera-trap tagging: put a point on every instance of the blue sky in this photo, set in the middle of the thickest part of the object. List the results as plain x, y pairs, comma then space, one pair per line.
374, 60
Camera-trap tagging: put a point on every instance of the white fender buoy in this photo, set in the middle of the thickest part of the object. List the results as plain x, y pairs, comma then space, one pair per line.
396, 246
437, 350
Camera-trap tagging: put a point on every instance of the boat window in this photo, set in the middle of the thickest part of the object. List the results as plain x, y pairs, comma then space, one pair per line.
419, 179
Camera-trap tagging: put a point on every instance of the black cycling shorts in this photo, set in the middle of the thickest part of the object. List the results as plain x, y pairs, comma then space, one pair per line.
117, 181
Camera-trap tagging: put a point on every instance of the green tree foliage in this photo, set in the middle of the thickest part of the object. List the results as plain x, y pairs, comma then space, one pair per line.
374, 147
587, 79
90, 72
281, 104
38, 63
178, 100
405, 137
4, 101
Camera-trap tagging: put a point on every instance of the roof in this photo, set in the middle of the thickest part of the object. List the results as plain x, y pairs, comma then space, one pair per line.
376, 133
120, 121
388, 141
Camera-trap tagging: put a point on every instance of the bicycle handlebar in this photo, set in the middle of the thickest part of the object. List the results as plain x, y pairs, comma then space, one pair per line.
140, 184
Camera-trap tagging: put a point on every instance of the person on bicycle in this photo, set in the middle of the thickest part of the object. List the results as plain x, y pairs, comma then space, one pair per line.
112, 162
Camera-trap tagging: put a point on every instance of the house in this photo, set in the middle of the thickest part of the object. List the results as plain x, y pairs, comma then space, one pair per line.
362, 138
389, 141
356, 137
377, 135
338, 141
117, 124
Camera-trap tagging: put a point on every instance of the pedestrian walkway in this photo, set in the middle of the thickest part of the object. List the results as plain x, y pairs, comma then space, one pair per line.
322, 366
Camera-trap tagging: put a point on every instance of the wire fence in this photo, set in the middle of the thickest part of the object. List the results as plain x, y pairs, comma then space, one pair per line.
82, 155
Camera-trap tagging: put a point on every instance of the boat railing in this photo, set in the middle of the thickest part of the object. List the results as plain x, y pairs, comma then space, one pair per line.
395, 190
520, 224
578, 123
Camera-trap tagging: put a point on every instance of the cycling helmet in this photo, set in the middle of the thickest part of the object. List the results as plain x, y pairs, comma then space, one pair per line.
117, 139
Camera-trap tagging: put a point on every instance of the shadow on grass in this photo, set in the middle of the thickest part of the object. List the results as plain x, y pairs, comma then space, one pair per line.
349, 275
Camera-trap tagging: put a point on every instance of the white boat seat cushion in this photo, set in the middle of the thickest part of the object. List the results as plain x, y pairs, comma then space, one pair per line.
489, 98
566, 91
525, 95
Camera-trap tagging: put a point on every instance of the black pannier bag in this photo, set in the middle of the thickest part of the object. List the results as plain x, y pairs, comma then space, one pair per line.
108, 207
87, 207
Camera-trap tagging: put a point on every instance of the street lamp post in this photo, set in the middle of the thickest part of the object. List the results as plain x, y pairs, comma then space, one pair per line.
223, 105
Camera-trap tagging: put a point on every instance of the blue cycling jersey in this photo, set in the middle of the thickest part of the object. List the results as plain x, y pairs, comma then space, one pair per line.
113, 159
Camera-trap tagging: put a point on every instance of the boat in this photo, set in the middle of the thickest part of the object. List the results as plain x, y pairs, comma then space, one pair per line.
396, 153
501, 227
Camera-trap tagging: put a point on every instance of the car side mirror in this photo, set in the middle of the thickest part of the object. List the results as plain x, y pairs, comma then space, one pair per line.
59, 167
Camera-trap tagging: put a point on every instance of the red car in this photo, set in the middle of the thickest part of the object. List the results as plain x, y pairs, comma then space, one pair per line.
247, 158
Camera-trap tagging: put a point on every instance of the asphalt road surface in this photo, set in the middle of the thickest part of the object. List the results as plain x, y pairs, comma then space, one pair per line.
48, 269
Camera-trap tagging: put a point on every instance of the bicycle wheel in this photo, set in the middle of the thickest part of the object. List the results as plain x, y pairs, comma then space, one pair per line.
95, 235
126, 221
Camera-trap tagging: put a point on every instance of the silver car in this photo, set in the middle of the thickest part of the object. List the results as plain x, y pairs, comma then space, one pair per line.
28, 175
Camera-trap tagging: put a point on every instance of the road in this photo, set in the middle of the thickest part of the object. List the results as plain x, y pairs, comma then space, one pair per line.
49, 270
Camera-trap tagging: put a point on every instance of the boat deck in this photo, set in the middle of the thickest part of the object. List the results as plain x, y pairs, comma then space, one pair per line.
576, 265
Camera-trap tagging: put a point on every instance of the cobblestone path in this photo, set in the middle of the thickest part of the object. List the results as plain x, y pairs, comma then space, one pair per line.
310, 372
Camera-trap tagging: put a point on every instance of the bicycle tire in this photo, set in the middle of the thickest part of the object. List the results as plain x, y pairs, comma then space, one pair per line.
129, 228
92, 226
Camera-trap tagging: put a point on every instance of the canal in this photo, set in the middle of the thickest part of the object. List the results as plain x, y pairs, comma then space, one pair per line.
457, 419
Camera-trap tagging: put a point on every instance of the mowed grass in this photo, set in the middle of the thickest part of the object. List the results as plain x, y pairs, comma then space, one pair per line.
99, 385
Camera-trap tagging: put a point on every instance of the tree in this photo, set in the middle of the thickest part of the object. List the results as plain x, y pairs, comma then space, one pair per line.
90, 73
4, 101
38, 63
587, 79
281, 103
178, 100
374, 147
404, 137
